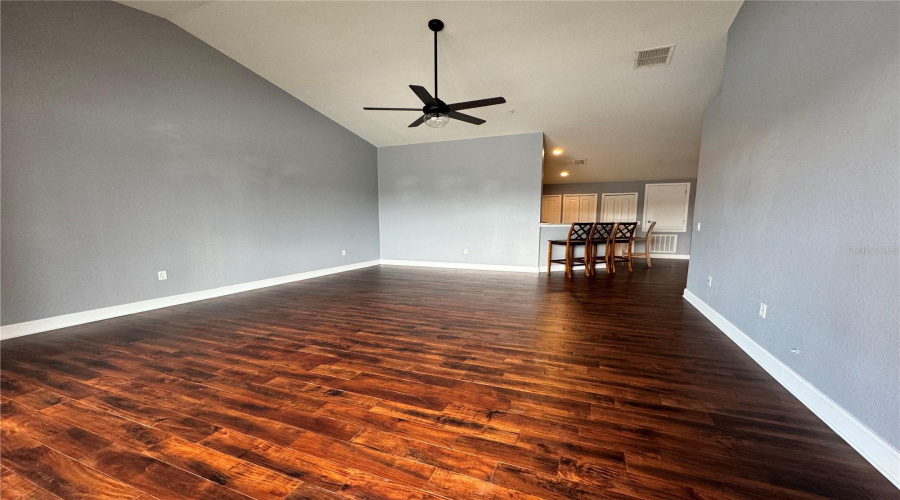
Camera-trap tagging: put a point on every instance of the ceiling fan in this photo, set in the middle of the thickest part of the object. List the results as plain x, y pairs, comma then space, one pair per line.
436, 113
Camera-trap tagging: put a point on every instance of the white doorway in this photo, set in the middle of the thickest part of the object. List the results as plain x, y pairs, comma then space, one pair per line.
579, 208
618, 207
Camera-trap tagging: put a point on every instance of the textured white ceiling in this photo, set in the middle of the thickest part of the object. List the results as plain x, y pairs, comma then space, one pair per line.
565, 68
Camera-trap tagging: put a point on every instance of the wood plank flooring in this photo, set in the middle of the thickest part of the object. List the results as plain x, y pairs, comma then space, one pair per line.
404, 383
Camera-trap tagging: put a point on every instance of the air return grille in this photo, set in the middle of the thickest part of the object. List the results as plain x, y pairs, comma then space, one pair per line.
654, 57
663, 243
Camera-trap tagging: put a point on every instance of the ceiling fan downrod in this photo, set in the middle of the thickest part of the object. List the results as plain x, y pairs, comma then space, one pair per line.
435, 25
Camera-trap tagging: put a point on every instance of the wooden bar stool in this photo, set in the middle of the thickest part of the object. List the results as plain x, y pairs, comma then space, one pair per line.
623, 235
579, 234
646, 241
601, 235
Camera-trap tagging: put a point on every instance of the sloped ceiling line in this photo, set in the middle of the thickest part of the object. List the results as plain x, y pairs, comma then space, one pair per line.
565, 68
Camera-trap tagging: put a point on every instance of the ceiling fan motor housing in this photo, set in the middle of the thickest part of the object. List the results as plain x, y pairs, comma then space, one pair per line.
441, 107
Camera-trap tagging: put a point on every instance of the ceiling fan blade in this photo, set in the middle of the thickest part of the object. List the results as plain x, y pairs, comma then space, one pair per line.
394, 109
420, 120
477, 104
465, 118
423, 94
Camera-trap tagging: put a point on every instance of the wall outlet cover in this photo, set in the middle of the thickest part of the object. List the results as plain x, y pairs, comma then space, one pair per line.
161, 275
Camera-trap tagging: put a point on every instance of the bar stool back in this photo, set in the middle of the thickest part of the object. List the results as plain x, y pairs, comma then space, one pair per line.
601, 235
579, 235
623, 235
646, 241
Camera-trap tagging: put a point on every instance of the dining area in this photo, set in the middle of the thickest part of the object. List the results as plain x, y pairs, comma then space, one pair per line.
633, 205
587, 244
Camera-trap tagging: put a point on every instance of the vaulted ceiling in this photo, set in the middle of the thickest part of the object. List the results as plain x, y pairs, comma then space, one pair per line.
565, 69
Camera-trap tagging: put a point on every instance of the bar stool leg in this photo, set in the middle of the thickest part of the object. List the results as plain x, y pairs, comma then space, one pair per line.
587, 260
611, 258
591, 262
606, 258
628, 249
549, 256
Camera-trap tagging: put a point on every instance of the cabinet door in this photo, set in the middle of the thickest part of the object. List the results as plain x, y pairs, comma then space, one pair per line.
667, 204
570, 208
587, 208
551, 207
579, 208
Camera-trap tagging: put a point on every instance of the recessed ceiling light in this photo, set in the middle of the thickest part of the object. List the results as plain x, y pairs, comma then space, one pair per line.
564, 173
557, 152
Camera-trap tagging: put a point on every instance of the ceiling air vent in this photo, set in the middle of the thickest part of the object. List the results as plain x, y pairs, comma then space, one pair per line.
654, 57
578, 162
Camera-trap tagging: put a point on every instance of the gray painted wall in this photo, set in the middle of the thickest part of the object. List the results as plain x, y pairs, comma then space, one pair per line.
438, 198
129, 146
799, 162
684, 239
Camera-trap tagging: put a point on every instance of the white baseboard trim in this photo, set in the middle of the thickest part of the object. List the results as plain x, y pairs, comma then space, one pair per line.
79, 318
669, 256
460, 265
871, 446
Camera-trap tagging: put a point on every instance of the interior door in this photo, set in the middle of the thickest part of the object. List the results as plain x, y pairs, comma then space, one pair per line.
579, 208
587, 208
618, 207
551, 208
667, 204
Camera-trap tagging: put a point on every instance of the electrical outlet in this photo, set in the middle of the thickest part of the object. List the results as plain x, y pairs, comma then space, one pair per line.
709, 281
698, 227
162, 275
465, 251
343, 252
762, 310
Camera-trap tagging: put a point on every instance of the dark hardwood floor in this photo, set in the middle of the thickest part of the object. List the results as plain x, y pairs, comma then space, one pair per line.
411, 383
